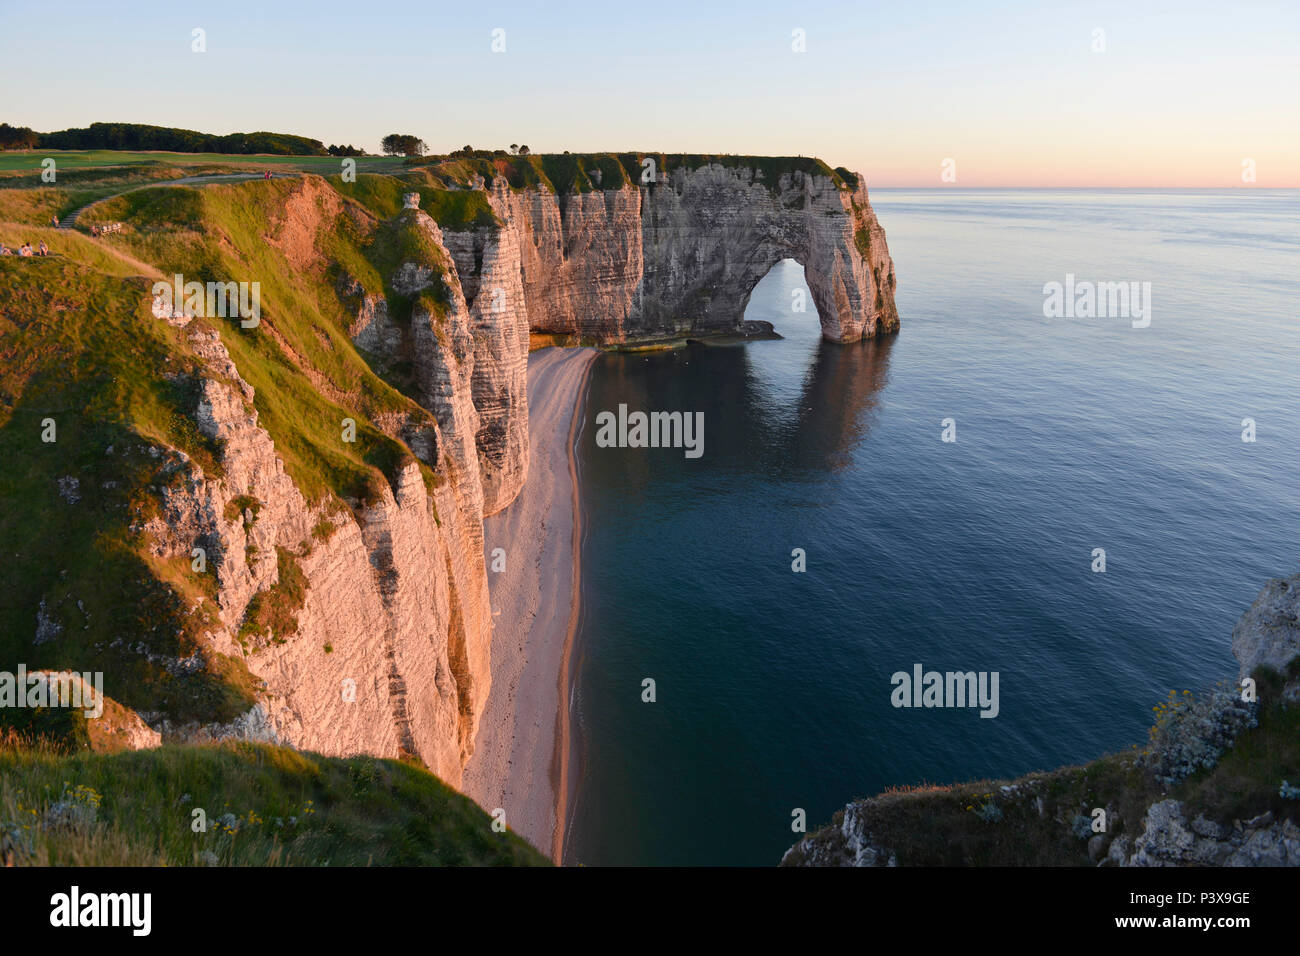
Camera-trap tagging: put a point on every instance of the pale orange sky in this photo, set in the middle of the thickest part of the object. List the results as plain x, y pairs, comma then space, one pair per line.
1017, 93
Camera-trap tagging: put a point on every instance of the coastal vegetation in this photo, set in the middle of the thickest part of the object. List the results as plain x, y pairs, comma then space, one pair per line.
399, 144
237, 804
584, 172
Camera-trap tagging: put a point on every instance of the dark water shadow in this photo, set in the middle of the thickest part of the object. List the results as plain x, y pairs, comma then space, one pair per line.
745, 428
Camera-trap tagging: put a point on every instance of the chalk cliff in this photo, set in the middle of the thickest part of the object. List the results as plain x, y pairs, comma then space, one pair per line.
596, 254
488, 265
388, 654
633, 261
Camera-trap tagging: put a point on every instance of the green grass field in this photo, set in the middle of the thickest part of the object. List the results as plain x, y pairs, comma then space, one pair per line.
30, 160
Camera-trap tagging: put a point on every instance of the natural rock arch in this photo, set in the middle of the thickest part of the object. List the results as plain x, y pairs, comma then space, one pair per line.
711, 234
681, 255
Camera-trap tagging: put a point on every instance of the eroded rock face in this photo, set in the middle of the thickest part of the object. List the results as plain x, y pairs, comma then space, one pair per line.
581, 258
850, 845
711, 234
673, 258
682, 255
110, 727
489, 273
389, 655
390, 652
1269, 632
1169, 839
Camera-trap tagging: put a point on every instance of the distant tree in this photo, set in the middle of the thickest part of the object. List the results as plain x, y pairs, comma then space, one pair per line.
514, 147
18, 137
399, 144
523, 150
346, 151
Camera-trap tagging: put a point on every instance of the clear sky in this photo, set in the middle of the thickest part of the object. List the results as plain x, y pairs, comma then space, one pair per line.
1012, 93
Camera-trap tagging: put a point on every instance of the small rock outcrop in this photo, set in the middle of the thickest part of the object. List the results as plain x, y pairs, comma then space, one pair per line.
1269, 633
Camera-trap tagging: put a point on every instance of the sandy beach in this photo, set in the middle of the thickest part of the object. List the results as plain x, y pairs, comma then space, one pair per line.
518, 763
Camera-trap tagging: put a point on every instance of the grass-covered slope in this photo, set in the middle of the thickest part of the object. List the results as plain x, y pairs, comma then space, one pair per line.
67, 159
456, 209
262, 805
293, 238
83, 363
26, 198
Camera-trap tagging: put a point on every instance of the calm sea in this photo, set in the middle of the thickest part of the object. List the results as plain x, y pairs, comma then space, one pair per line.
773, 687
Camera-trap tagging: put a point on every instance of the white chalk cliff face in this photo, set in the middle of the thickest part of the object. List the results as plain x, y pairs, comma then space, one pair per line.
390, 653
682, 255
488, 266
711, 234
656, 261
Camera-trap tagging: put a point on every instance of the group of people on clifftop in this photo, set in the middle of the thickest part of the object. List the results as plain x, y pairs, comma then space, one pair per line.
26, 250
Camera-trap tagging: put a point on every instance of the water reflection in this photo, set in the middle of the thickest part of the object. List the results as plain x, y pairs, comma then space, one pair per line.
749, 426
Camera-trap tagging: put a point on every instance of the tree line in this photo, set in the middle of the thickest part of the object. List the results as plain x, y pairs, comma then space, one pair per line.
136, 136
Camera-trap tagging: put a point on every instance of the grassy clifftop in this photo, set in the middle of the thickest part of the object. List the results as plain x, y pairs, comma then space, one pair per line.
83, 363
260, 805
584, 172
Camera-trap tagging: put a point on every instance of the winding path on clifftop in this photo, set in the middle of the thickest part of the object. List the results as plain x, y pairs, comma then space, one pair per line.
70, 220
514, 763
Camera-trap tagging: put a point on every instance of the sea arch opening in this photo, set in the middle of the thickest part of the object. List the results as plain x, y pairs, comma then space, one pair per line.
781, 296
